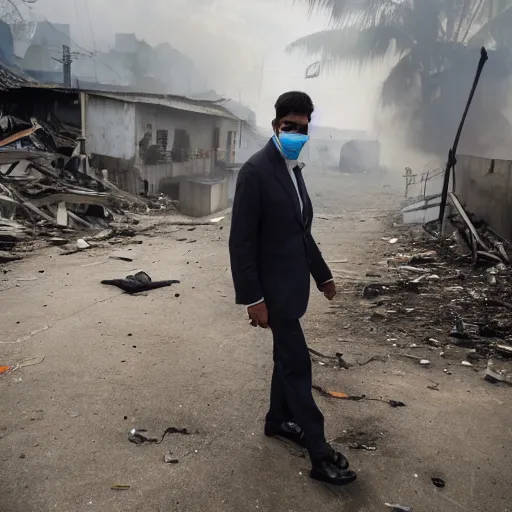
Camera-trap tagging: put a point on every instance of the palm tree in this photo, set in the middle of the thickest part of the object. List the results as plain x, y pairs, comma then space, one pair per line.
435, 43
10, 10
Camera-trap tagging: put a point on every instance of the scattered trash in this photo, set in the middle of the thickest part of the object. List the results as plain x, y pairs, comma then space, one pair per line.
438, 482
341, 363
414, 270
495, 375
216, 220
504, 350
344, 396
5, 369
170, 458
398, 508
120, 487
138, 436
371, 291
464, 331
82, 244
424, 362
58, 241
121, 256
393, 240
361, 446
140, 282
467, 364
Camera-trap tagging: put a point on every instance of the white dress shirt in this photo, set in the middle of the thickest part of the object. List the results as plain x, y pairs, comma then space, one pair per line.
291, 164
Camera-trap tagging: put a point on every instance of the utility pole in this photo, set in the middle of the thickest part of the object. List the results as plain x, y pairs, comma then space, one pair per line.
66, 65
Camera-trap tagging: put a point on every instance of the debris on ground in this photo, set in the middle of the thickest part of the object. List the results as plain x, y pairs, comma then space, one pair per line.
49, 191
338, 358
139, 436
438, 482
122, 256
361, 446
355, 398
494, 374
82, 244
169, 458
448, 295
398, 508
140, 282
120, 487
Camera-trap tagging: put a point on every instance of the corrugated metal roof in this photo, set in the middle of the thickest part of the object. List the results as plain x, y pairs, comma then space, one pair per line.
176, 102
12, 78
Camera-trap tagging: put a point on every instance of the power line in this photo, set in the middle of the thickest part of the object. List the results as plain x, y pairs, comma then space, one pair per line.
88, 52
93, 35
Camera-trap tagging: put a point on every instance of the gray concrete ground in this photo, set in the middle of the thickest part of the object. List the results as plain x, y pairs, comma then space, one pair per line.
114, 362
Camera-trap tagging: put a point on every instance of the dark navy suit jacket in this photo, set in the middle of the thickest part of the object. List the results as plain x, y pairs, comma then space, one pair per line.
271, 248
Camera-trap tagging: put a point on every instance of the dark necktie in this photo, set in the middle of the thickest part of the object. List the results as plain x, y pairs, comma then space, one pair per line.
302, 192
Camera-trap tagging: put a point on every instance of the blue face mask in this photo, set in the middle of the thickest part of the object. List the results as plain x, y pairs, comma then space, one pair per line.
290, 144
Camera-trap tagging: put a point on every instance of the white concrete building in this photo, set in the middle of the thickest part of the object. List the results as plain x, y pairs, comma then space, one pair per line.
164, 137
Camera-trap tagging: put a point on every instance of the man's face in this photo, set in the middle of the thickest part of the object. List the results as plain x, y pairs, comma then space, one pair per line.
292, 123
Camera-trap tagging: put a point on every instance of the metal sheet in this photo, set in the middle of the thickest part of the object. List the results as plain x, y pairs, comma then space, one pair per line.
175, 102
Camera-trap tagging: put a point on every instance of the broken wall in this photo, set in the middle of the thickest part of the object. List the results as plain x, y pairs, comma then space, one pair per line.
484, 187
110, 128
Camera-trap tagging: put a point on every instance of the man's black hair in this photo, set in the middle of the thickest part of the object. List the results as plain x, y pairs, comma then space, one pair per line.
294, 102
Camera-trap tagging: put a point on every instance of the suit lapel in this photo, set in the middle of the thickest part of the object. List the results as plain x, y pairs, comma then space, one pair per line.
283, 177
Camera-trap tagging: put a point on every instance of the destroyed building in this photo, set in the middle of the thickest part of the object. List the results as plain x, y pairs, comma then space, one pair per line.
74, 159
146, 142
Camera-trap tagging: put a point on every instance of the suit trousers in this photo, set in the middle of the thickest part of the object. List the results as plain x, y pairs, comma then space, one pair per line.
291, 396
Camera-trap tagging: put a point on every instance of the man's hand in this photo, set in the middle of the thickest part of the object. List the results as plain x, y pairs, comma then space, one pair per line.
328, 289
258, 315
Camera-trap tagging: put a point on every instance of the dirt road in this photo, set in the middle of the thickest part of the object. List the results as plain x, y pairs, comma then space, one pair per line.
185, 357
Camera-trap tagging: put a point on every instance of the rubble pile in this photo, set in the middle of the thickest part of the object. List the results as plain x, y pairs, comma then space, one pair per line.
48, 191
449, 297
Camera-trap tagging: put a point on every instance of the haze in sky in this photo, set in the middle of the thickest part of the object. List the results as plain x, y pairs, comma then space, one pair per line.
239, 45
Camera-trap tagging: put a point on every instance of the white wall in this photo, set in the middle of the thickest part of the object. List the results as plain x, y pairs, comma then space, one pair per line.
200, 127
110, 128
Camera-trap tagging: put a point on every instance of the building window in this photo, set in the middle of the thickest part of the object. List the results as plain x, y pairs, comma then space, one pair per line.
181, 148
162, 137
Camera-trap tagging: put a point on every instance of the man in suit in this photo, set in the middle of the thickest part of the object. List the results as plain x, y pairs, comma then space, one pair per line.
273, 255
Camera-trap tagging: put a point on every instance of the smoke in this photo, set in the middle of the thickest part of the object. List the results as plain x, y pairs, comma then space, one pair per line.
238, 46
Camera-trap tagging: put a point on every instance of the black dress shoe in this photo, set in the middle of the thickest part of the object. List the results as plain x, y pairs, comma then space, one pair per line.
339, 460
287, 430
326, 470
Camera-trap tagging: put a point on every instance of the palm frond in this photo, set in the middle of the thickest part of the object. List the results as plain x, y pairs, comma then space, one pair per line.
401, 81
497, 30
361, 13
352, 45
493, 8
